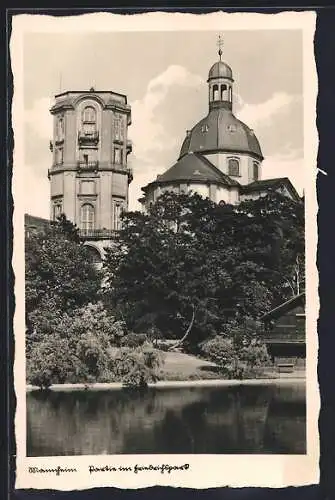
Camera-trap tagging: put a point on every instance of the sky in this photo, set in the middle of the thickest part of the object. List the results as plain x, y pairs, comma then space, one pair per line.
164, 77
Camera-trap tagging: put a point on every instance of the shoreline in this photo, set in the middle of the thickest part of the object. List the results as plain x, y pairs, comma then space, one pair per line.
99, 386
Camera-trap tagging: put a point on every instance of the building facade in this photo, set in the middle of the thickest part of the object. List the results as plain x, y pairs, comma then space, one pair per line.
220, 157
89, 176
285, 334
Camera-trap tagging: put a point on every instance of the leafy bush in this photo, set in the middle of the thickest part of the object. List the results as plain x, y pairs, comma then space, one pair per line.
71, 347
134, 340
136, 367
244, 359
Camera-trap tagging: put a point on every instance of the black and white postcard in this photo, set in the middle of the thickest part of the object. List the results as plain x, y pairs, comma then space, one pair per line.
165, 237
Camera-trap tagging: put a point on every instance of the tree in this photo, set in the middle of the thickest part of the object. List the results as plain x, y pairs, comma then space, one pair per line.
189, 265
59, 269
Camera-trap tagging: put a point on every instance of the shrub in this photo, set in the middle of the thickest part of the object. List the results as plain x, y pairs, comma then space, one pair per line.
136, 367
71, 347
237, 359
134, 340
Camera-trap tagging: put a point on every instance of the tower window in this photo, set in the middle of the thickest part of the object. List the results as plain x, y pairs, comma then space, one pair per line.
215, 92
256, 171
89, 120
89, 115
118, 128
116, 215
118, 157
59, 156
57, 210
87, 218
233, 167
60, 128
224, 93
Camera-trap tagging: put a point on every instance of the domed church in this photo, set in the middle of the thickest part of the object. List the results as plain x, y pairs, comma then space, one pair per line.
220, 157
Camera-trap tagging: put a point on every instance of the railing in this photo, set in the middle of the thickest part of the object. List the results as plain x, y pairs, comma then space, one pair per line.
84, 136
88, 165
98, 234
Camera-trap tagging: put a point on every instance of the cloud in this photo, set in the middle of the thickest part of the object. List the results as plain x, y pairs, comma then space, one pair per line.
148, 132
260, 114
159, 120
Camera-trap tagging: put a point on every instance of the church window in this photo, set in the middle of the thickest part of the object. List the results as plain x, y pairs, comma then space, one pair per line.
233, 167
230, 94
215, 92
224, 93
87, 218
256, 171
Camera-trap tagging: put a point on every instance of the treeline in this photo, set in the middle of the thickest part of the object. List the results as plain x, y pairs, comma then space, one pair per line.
189, 270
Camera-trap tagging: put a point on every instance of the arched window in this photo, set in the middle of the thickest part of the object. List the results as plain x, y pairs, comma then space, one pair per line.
60, 128
117, 211
89, 115
233, 167
59, 156
87, 218
224, 93
89, 120
215, 92
118, 156
256, 171
57, 210
94, 254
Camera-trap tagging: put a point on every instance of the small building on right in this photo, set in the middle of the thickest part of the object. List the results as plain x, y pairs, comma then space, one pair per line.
285, 334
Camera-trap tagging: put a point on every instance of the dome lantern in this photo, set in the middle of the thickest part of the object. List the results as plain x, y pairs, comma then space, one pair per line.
220, 83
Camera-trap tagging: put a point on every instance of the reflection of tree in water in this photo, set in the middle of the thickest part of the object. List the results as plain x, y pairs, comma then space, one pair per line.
285, 429
189, 420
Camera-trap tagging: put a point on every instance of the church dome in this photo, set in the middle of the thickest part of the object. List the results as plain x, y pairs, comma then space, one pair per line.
220, 70
221, 131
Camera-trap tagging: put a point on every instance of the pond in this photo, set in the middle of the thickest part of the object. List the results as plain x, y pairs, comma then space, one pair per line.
214, 420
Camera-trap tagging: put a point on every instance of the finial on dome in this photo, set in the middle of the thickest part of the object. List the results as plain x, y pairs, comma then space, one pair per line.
220, 44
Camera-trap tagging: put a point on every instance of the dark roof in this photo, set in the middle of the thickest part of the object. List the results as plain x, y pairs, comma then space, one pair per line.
220, 70
220, 130
263, 185
195, 168
297, 300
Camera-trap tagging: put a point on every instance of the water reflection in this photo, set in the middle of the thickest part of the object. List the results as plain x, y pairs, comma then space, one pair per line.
253, 419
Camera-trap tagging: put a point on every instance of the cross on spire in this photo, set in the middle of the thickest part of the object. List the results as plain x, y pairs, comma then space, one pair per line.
220, 45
